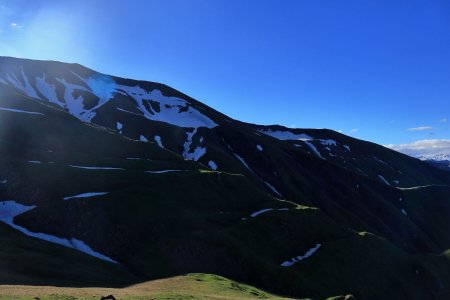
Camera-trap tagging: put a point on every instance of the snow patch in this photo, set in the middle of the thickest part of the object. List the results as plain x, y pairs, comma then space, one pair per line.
314, 149
24, 87
243, 162
28, 89
259, 147
172, 110
384, 179
127, 111
143, 138
286, 135
198, 151
273, 189
256, 213
119, 126
75, 106
20, 111
158, 141
95, 168
379, 160
10, 209
48, 90
212, 165
162, 171
86, 195
102, 86
328, 142
308, 253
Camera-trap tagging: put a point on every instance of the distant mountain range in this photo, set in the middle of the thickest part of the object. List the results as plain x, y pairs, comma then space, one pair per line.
435, 157
107, 181
441, 161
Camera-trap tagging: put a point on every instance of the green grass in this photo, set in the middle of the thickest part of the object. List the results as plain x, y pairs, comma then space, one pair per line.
191, 286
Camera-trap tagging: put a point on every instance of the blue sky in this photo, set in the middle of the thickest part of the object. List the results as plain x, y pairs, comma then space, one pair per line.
377, 70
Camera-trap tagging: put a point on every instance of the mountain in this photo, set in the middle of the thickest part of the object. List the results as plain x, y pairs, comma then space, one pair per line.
437, 157
441, 164
140, 181
441, 161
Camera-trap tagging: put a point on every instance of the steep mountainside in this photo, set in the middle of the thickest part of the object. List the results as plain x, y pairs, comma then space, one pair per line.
153, 183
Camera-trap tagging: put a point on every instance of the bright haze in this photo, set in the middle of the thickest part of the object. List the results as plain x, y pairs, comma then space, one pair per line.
375, 70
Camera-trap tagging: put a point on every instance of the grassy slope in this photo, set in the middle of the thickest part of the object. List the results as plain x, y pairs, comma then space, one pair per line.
191, 286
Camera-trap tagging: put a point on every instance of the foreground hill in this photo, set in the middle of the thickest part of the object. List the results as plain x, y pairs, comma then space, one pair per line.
191, 286
137, 181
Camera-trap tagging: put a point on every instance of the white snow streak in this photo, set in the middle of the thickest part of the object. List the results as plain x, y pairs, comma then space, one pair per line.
328, 142
158, 141
25, 87
286, 135
20, 111
48, 90
10, 209
243, 162
28, 89
256, 213
86, 195
314, 149
384, 179
212, 165
143, 138
163, 171
130, 112
95, 168
273, 189
299, 258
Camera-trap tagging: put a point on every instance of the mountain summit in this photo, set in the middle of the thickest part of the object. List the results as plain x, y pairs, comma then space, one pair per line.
112, 181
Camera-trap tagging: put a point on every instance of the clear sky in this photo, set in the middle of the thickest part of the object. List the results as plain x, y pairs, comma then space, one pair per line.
376, 69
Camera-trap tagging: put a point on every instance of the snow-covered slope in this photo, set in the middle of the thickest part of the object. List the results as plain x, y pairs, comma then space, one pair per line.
83, 95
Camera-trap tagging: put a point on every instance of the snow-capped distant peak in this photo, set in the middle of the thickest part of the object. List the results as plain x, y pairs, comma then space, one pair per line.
286, 135
435, 157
